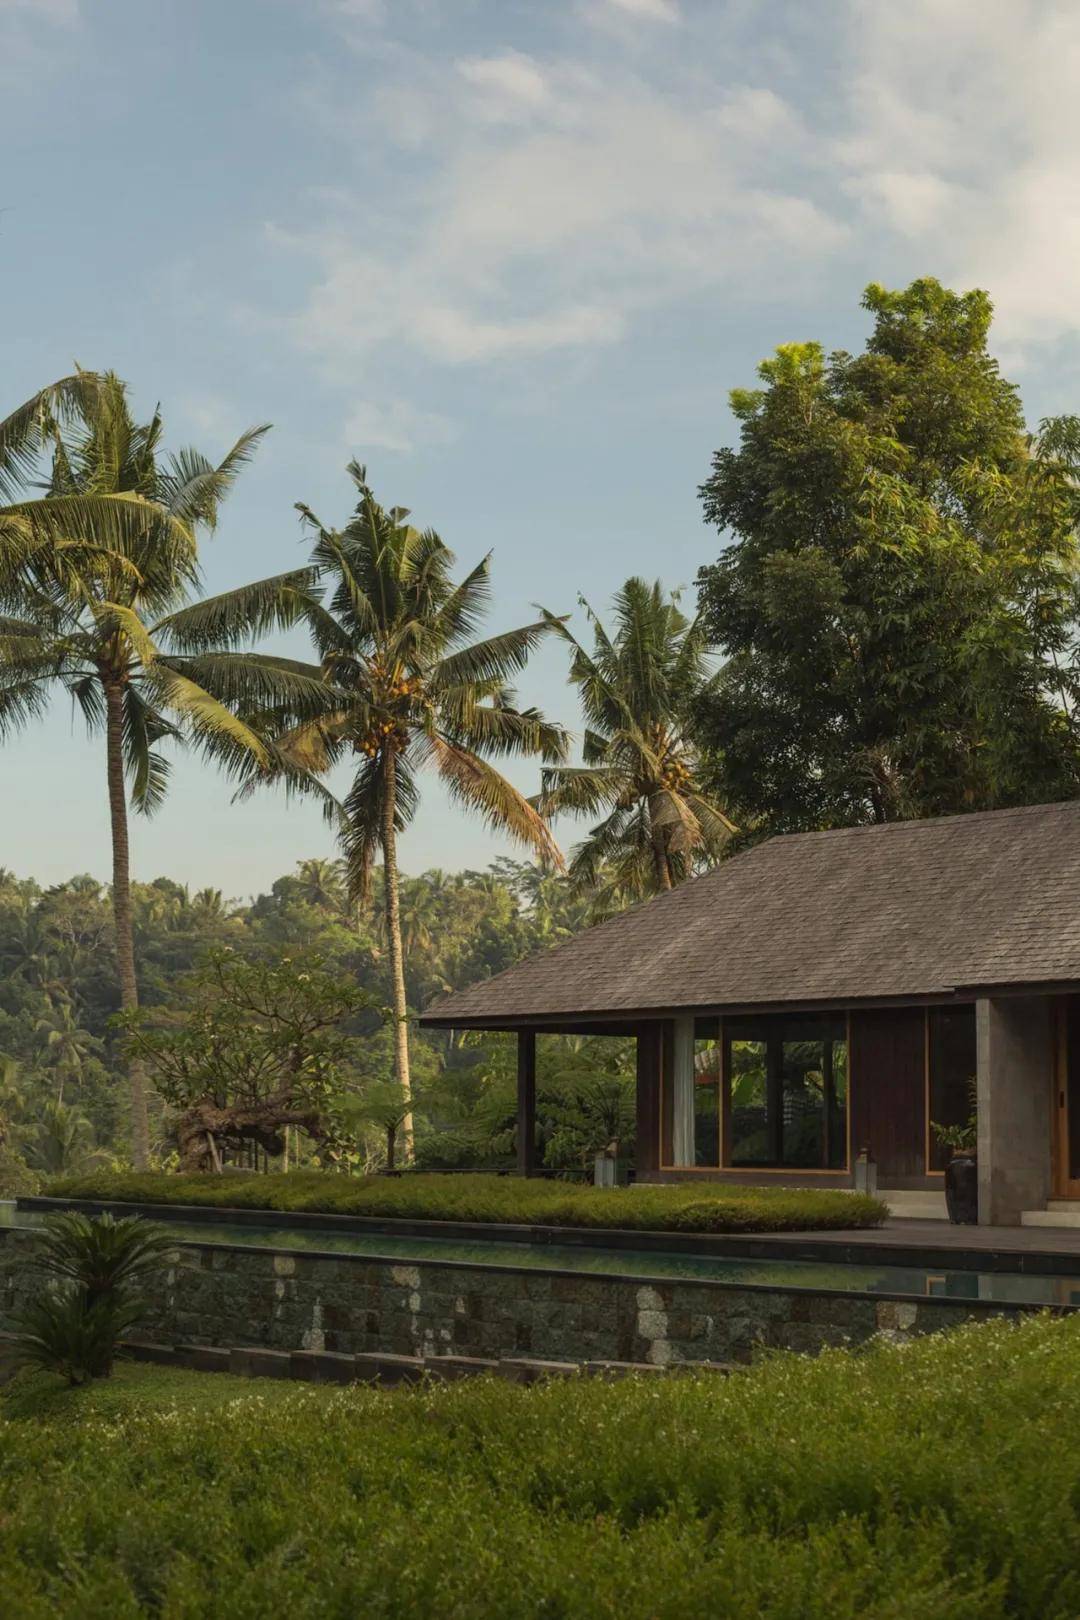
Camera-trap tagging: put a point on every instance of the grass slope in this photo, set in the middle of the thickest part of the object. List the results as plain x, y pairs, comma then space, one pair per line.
942, 1479
681, 1208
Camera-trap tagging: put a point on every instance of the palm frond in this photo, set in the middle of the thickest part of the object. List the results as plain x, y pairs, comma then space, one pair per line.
24, 433
474, 783
222, 734
496, 659
610, 840
314, 746
147, 770
258, 683
497, 729
116, 617
578, 790
22, 699
86, 691
361, 829
193, 488
463, 611
101, 523
242, 614
715, 826
329, 636
670, 813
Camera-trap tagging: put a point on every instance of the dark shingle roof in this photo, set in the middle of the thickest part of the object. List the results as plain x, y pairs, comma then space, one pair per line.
910, 909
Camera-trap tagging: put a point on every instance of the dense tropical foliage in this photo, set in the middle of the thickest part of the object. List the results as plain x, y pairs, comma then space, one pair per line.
63, 1102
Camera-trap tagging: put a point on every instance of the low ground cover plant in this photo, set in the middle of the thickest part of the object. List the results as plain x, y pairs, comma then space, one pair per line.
938, 1479
496, 1199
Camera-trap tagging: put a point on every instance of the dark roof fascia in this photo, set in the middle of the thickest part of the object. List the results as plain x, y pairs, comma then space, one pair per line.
624, 1021
1019, 987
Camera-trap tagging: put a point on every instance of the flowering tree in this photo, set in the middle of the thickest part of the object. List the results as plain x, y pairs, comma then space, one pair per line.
257, 1047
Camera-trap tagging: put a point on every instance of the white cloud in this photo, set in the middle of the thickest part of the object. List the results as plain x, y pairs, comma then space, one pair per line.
653, 10
357, 11
394, 425
962, 146
557, 205
509, 84
552, 202
911, 202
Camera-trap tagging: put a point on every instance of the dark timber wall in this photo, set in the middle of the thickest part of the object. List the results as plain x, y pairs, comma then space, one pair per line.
888, 1085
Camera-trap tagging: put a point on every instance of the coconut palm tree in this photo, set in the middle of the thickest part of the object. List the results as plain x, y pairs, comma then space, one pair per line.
66, 1047
407, 689
320, 884
61, 1141
103, 612
73, 524
637, 689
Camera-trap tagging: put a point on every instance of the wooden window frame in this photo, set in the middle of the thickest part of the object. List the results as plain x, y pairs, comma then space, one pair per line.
724, 1166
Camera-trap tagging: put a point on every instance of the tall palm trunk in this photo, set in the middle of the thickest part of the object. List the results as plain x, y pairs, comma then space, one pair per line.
660, 859
121, 900
393, 932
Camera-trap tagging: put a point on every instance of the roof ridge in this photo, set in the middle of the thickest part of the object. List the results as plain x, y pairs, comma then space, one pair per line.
910, 823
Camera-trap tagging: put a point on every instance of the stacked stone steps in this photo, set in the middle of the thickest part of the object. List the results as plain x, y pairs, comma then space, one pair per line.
330, 1367
1059, 1212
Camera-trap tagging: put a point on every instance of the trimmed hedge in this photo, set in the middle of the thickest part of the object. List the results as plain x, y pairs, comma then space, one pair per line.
676, 1208
938, 1480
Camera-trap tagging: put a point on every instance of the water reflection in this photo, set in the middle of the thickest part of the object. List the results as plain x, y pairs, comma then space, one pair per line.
814, 1276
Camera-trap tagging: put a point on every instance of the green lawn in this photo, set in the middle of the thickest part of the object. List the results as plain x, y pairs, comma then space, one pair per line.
937, 1480
679, 1208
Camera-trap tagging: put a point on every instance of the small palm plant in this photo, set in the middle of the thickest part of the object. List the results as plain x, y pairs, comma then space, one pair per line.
385, 1106
95, 1272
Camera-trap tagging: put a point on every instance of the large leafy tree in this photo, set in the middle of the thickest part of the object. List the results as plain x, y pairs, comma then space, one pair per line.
406, 687
101, 609
897, 596
641, 773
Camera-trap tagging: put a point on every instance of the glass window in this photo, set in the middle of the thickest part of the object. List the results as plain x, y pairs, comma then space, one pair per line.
951, 1062
748, 1079
788, 1093
707, 1102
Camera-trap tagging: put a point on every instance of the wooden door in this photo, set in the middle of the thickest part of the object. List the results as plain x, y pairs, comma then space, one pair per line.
888, 1085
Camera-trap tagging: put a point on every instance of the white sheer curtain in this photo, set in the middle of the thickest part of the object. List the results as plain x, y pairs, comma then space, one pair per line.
682, 1090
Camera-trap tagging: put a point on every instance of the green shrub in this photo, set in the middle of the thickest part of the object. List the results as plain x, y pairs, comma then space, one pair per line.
941, 1479
16, 1177
678, 1208
93, 1272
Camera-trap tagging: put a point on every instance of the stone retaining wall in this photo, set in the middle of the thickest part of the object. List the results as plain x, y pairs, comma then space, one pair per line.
227, 1296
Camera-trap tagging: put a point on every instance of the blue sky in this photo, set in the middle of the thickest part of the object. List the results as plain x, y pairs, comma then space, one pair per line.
511, 253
